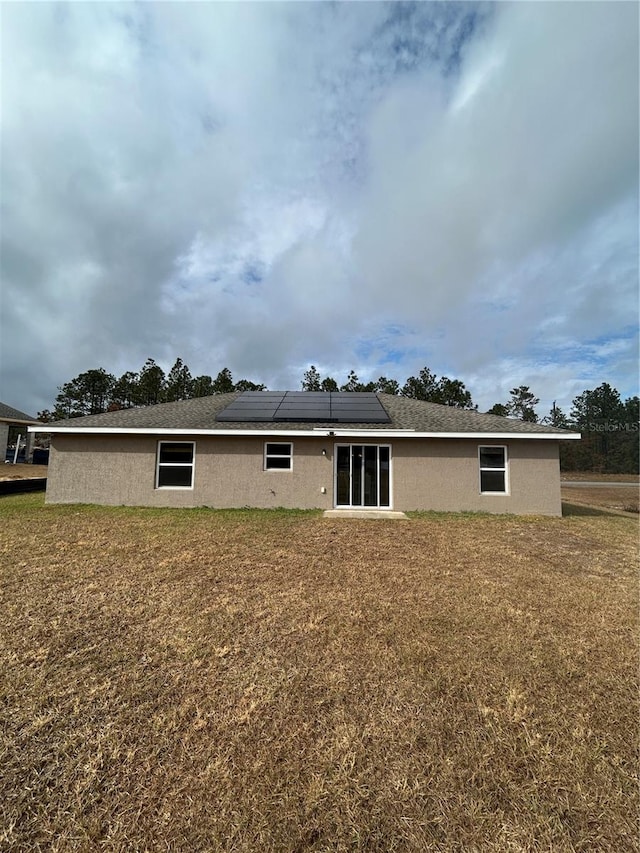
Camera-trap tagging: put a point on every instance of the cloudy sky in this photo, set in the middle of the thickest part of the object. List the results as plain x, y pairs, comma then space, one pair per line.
376, 186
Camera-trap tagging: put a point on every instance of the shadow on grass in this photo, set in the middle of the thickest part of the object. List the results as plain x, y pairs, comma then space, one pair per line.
582, 509
20, 503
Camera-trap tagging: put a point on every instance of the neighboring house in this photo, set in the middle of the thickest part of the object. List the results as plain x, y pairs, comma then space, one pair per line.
18, 422
306, 450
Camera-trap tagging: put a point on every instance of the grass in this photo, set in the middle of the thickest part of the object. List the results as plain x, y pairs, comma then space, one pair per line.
598, 477
22, 471
620, 498
242, 680
616, 498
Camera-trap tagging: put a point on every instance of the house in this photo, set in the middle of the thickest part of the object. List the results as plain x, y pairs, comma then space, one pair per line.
13, 421
306, 450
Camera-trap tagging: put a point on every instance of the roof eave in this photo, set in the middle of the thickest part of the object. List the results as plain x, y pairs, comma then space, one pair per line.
312, 431
18, 421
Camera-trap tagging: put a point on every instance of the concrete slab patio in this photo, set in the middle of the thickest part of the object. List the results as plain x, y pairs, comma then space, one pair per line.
364, 513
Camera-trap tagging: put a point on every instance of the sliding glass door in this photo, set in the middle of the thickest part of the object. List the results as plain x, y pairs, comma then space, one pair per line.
363, 475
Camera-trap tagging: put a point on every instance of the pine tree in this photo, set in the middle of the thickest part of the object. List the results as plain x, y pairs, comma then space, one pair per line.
179, 384
311, 380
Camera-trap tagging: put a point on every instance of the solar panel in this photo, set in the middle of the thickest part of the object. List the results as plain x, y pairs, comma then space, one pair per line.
348, 407
319, 396
305, 407
256, 406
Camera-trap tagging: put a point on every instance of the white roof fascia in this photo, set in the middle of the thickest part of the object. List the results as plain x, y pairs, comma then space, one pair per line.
389, 433
315, 432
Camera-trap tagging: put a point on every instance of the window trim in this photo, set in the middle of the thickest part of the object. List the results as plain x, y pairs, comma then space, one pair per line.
176, 465
267, 456
504, 469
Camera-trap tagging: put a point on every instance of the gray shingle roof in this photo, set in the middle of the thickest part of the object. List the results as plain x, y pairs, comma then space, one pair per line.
405, 414
8, 413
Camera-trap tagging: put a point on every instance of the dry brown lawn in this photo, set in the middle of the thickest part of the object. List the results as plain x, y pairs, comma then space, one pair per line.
22, 471
620, 498
594, 477
625, 499
271, 681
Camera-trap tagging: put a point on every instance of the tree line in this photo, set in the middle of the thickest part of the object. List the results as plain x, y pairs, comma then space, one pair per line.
609, 425
426, 386
96, 391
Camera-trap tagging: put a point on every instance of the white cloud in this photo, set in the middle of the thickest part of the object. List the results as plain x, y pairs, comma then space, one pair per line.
378, 186
545, 139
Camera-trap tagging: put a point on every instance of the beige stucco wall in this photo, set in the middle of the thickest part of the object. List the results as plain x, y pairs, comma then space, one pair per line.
443, 474
439, 474
4, 440
228, 473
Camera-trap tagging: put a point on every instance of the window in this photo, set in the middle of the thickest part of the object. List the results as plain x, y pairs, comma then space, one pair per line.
278, 457
175, 464
493, 469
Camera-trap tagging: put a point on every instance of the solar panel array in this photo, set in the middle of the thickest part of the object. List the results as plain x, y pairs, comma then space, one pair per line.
306, 407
